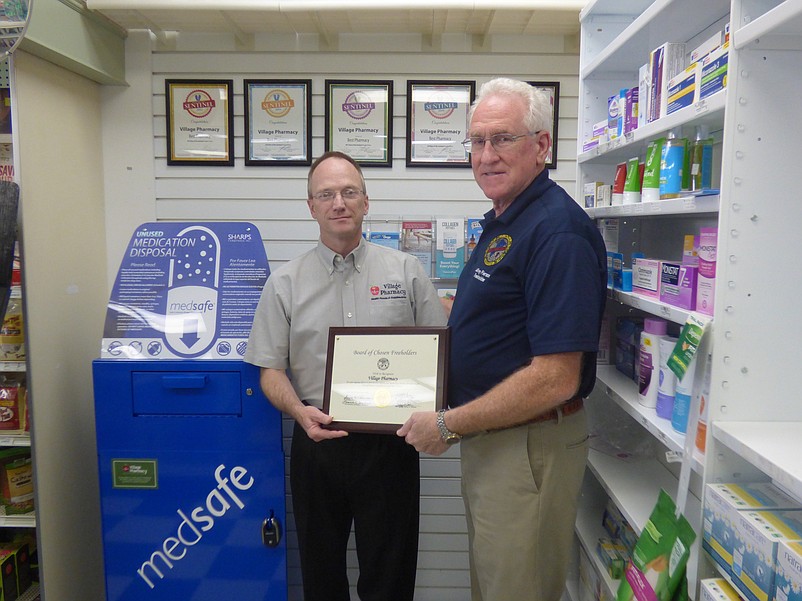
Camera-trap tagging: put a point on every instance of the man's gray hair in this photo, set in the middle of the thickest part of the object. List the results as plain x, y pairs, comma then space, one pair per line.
537, 118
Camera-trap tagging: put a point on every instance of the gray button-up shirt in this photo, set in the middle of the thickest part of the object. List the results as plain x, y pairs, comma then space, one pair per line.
372, 286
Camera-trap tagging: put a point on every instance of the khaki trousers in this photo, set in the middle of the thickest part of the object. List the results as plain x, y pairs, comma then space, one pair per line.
521, 487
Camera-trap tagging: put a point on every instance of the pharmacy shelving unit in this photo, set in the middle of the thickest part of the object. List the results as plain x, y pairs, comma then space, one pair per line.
755, 410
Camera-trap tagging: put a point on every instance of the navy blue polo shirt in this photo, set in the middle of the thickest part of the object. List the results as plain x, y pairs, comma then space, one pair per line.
534, 285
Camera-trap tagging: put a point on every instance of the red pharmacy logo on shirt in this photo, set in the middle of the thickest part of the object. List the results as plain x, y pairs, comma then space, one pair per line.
497, 249
374, 291
198, 103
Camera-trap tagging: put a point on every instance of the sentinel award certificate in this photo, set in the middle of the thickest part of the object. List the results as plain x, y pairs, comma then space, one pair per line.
377, 377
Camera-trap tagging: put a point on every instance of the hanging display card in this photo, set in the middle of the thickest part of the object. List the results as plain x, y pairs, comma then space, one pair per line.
186, 291
450, 257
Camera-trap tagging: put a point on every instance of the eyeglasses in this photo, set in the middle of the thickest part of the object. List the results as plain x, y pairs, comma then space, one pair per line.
497, 141
345, 194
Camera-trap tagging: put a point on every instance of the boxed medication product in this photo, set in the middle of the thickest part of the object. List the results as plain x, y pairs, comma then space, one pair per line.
644, 91
618, 270
613, 115
8, 576
683, 89
16, 480
722, 504
717, 589
646, 277
613, 556
665, 62
706, 47
788, 578
597, 194
706, 278
627, 345
678, 285
714, 72
754, 556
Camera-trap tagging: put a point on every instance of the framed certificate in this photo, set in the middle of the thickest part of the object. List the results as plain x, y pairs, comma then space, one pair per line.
377, 377
437, 123
552, 91
278, 122
359, 120
200, 122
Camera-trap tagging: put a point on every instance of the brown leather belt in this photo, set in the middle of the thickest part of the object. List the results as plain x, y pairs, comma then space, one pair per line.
567, 408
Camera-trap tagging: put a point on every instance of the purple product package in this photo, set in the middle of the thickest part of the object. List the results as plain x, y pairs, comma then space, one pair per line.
678, 285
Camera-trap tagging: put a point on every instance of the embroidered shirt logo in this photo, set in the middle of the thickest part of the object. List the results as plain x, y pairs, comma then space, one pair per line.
497, 249
388, 290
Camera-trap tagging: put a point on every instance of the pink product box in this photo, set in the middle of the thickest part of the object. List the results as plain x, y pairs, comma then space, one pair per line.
678, 285
646, 277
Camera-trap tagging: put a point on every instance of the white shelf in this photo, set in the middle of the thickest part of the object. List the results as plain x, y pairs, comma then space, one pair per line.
774, 448
625, 393
708, 112
663, 21
12, 366
633, 487
684, 205
783, 21
15, 439
25, 520
650, 305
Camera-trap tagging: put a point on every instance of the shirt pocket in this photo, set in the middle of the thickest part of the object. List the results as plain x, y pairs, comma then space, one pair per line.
391, 312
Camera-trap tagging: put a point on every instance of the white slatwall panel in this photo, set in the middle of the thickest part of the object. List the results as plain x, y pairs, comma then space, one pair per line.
274, 197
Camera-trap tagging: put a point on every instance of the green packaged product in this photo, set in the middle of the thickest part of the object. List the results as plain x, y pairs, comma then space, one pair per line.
657, 566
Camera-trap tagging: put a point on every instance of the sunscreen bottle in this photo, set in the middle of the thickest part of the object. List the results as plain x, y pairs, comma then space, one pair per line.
649, 360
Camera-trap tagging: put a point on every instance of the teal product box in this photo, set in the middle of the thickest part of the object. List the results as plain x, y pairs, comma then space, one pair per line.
754, 556
788, 577
722, 505
472, 233
714, 72
449, 249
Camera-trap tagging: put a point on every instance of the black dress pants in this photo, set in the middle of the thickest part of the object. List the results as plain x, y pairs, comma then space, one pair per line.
372, 481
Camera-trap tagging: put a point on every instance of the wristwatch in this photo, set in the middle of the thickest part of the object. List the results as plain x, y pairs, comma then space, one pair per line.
447, 435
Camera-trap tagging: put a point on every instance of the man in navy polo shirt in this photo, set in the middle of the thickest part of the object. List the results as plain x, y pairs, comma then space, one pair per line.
525, 331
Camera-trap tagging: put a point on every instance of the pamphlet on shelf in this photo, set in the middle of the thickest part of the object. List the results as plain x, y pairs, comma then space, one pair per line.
450, 257
416, 239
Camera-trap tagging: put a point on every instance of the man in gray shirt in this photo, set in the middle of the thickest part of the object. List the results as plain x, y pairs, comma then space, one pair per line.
339, 478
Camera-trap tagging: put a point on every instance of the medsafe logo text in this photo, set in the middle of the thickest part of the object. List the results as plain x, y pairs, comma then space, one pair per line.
201, 519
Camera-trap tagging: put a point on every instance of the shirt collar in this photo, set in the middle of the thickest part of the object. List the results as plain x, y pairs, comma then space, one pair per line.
534, 191
328, 256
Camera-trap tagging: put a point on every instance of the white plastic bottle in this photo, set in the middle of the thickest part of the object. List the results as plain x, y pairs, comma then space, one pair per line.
682, 399
649, 362
667, 382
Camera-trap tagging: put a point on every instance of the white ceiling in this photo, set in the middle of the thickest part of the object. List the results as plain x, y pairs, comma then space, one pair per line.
332, 17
